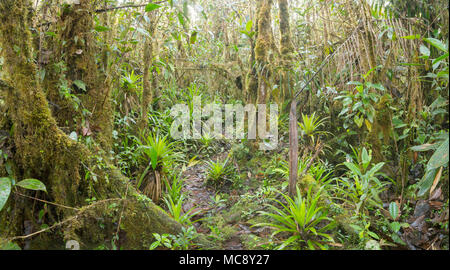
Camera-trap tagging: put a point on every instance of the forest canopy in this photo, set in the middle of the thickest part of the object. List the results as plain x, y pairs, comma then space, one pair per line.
234, 125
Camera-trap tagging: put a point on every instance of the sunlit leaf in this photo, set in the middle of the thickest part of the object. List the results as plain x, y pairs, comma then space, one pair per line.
248, 26
440, 157
80, 84
151, 6
437, 44
5, 190
101, 28
32, 184
424, 50
393, 210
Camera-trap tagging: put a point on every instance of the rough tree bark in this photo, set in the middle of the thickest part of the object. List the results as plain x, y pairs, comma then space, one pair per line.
147, 94
44, 152
286, 48
262, 47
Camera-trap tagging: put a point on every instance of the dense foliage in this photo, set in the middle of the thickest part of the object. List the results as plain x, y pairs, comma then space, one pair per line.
87, 89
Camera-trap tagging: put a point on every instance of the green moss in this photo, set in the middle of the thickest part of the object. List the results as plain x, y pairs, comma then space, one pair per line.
44, 152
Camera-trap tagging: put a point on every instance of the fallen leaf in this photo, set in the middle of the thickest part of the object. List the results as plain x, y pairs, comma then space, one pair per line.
419, 223
86, 131
436, 180
436, 194
436, 204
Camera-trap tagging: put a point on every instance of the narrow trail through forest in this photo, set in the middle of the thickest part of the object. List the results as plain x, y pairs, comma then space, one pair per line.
199, 197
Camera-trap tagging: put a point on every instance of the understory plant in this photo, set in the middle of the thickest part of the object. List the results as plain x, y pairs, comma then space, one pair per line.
361, 186
177, 213
181, 241
310, 126
302, 218
217, 172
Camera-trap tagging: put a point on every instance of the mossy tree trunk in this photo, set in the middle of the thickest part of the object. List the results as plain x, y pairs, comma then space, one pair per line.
44, 152
251, 79
262, 47
79, 50
286, 48
147, 93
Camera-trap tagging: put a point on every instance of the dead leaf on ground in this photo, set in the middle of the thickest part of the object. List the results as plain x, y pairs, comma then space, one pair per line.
436, 180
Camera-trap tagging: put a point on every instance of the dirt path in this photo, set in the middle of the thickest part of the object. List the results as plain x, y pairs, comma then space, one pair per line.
200, 198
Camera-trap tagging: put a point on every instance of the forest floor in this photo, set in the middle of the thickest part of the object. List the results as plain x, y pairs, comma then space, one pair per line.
218, 220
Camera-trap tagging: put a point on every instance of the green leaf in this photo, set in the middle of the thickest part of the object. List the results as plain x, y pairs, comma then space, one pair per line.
32, 184
437, 44
151, 7
375, 168
426, 182
411, 37
248, 26
5, 190
154, 158
193, 37
181, 18
353, 168
80, 84
143, 31
154, 245
393, 210
424, 50
101, 28
41, 214
9, 246
440, 58
365, 158
424, 147
395, 226
376, 86
374, 235
50, 34
354, 83
440, 157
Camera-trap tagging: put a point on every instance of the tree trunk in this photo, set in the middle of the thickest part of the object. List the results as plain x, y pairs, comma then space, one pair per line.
44, 152
293, 149
146, 90
286, 48
262, 47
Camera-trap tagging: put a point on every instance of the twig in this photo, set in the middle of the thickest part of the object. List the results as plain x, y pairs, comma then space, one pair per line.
47, 202
62, 222
121, 213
